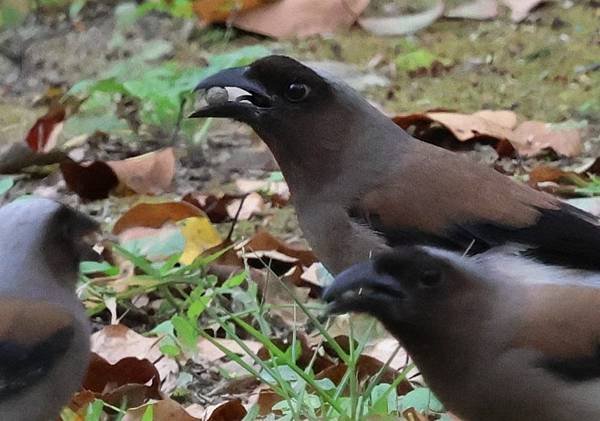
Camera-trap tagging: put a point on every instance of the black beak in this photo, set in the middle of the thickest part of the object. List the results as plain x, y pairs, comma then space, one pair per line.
243, 107
360, 288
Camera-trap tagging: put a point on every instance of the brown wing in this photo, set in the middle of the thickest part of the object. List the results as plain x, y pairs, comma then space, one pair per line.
563, 323
33, 337
441, 198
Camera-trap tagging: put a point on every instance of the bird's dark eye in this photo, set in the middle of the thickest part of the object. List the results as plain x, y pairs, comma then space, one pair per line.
297, 92
430, 278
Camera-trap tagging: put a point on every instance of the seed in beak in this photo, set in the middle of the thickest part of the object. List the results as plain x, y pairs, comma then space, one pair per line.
217, 96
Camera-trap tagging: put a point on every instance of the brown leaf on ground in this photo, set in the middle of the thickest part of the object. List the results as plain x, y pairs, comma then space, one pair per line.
232, 410
520, 9
43, 135
556, 181
211, 11
226, 207
545, 173
209, 352
80, 401
151, 173
214, 206
163, 410
116, 342
300, 18
155, 215
484, 125
90, 181
264, 245
266, 399
532, 137
367, 367
130, 378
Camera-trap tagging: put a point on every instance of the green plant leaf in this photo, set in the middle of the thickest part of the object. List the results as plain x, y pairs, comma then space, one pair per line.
148, 413
422, 399
94, 410
89, 267
234, 281
6, 183
186, 332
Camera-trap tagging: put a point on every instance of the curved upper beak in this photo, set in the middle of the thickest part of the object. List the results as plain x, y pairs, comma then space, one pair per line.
235, 77
360, 287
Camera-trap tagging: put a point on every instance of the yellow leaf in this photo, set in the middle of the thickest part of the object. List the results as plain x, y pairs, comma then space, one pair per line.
200, 235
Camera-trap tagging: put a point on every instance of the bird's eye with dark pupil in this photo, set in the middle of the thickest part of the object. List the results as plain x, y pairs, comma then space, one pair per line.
297, 92
430, 278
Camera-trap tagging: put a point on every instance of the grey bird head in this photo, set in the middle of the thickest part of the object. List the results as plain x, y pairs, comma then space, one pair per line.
407, 289
305, 118
45, 236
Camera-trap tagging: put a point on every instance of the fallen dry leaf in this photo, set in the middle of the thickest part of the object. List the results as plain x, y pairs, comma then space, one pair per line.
151, 173
220, 10
226, 207
116, 342
42, 137
252, 204
266, 399
402, 25
263, 244
200, 235
532, 137
232, 410
300, 18
382, 349
162, 410
471, 126
209, 352
520, 9
215, 207
155, 215
527, 139
476, 9
90, 181
130, 379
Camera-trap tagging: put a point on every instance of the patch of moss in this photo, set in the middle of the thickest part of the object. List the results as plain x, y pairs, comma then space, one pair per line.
528, 67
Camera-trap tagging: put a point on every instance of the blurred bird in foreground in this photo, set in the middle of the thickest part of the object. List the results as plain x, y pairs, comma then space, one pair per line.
44, 331
492, 339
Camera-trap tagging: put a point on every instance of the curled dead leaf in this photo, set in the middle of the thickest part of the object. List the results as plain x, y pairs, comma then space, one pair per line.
532, 137
219, 11
90, 181
155, 215
116, 342
263, 244
520, 9
130, 379
232, 410
151, 173
300, 18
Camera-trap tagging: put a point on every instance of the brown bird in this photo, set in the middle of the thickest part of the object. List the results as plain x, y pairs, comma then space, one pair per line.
44, 332
361, 184
491, 344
